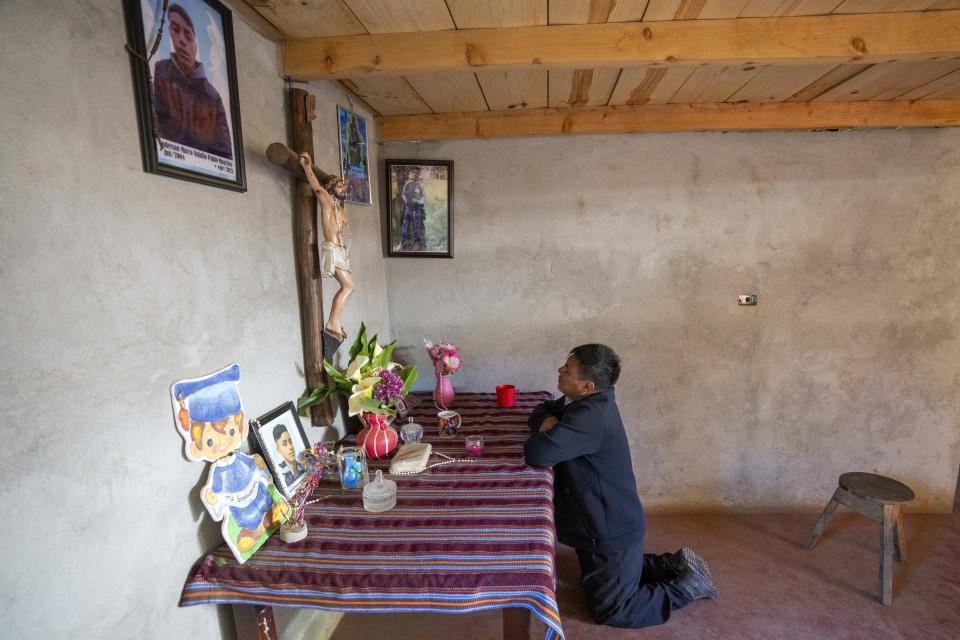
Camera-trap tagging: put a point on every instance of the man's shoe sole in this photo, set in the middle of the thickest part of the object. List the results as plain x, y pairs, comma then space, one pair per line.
699, 565
694, 560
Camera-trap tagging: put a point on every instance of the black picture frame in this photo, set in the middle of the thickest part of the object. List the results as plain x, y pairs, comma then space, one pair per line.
264, 440
196, 134
433, 236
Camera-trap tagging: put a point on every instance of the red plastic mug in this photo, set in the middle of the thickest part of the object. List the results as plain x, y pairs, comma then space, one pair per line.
506, 395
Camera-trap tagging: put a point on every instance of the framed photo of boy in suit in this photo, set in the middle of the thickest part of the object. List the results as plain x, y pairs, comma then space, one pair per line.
280, 438
185, 83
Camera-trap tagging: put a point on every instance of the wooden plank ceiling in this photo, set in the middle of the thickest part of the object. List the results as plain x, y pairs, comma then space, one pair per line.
474, 97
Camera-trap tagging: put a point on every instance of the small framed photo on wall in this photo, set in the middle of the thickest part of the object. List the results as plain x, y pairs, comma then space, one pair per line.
185, 83
419, 206
281, 440
354, 161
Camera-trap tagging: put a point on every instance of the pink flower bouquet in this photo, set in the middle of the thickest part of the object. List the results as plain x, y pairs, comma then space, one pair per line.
445, 356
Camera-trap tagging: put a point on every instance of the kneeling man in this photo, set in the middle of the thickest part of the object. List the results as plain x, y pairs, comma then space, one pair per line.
597, 509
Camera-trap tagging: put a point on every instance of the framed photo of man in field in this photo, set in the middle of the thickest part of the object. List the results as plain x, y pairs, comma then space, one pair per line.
419, 205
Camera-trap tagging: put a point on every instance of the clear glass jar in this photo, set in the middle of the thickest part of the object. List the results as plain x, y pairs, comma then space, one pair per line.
352, 464
411, 432
380, 495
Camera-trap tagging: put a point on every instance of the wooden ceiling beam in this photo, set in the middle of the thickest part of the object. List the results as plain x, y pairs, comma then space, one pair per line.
802, 40
255, 20
670, 117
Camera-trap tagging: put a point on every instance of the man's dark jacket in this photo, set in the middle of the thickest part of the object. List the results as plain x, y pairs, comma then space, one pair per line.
595, 493
189, 109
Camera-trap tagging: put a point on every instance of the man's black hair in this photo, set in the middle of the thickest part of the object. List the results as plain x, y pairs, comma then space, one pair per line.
278, 431
175, 8
597, 363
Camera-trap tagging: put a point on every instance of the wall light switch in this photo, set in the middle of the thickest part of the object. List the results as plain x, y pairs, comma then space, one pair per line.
747, 299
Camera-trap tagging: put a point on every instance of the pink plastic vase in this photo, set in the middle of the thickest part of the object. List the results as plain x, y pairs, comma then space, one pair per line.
443, 393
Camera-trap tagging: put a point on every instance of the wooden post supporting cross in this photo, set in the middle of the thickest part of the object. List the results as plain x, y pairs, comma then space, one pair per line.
306, 249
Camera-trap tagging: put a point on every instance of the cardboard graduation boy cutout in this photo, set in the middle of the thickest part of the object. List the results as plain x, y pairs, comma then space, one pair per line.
239, 489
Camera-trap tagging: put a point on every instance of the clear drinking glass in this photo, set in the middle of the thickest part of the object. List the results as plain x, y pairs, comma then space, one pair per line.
474, 445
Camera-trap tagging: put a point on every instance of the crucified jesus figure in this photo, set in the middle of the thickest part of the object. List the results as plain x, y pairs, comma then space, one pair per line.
335, 261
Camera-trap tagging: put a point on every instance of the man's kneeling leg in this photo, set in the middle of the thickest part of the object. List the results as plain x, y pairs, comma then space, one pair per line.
615, 595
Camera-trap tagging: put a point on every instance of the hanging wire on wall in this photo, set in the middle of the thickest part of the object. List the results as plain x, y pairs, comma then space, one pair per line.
159, 18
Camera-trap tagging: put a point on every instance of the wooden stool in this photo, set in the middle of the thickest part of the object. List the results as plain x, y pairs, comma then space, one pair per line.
879, 498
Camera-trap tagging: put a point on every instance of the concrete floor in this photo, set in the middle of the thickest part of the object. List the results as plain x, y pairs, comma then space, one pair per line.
769, 586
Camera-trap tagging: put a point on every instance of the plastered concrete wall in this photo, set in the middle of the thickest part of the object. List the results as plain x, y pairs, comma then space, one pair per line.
850, 239
114, 283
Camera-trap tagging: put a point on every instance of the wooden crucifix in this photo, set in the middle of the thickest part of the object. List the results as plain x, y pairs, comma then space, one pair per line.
307, 253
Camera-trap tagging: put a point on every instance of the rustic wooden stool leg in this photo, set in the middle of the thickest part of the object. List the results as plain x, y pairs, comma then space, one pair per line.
900, 548
822, 522
886, 554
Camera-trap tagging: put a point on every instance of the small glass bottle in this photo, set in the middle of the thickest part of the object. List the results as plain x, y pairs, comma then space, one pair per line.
380, 495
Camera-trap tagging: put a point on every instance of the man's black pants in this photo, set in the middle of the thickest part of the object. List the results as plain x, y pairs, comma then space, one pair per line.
628, 588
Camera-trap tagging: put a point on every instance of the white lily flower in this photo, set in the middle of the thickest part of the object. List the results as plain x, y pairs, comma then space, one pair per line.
366, 383
355, 401
394, 365
377, 350
353, 371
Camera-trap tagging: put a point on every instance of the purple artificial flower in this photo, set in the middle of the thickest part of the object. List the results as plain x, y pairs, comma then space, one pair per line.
389, 388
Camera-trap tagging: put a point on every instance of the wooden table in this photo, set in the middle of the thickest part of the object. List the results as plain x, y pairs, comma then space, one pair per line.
464, 537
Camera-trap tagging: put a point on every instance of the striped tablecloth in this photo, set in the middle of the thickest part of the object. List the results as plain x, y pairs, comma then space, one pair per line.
463, 537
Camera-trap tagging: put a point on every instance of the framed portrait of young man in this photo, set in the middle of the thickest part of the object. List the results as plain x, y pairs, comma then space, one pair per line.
185, 84
280, 438
419, 208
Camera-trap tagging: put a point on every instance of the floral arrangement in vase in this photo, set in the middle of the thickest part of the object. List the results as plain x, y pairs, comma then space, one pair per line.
315, 461
446, 361
372, 384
